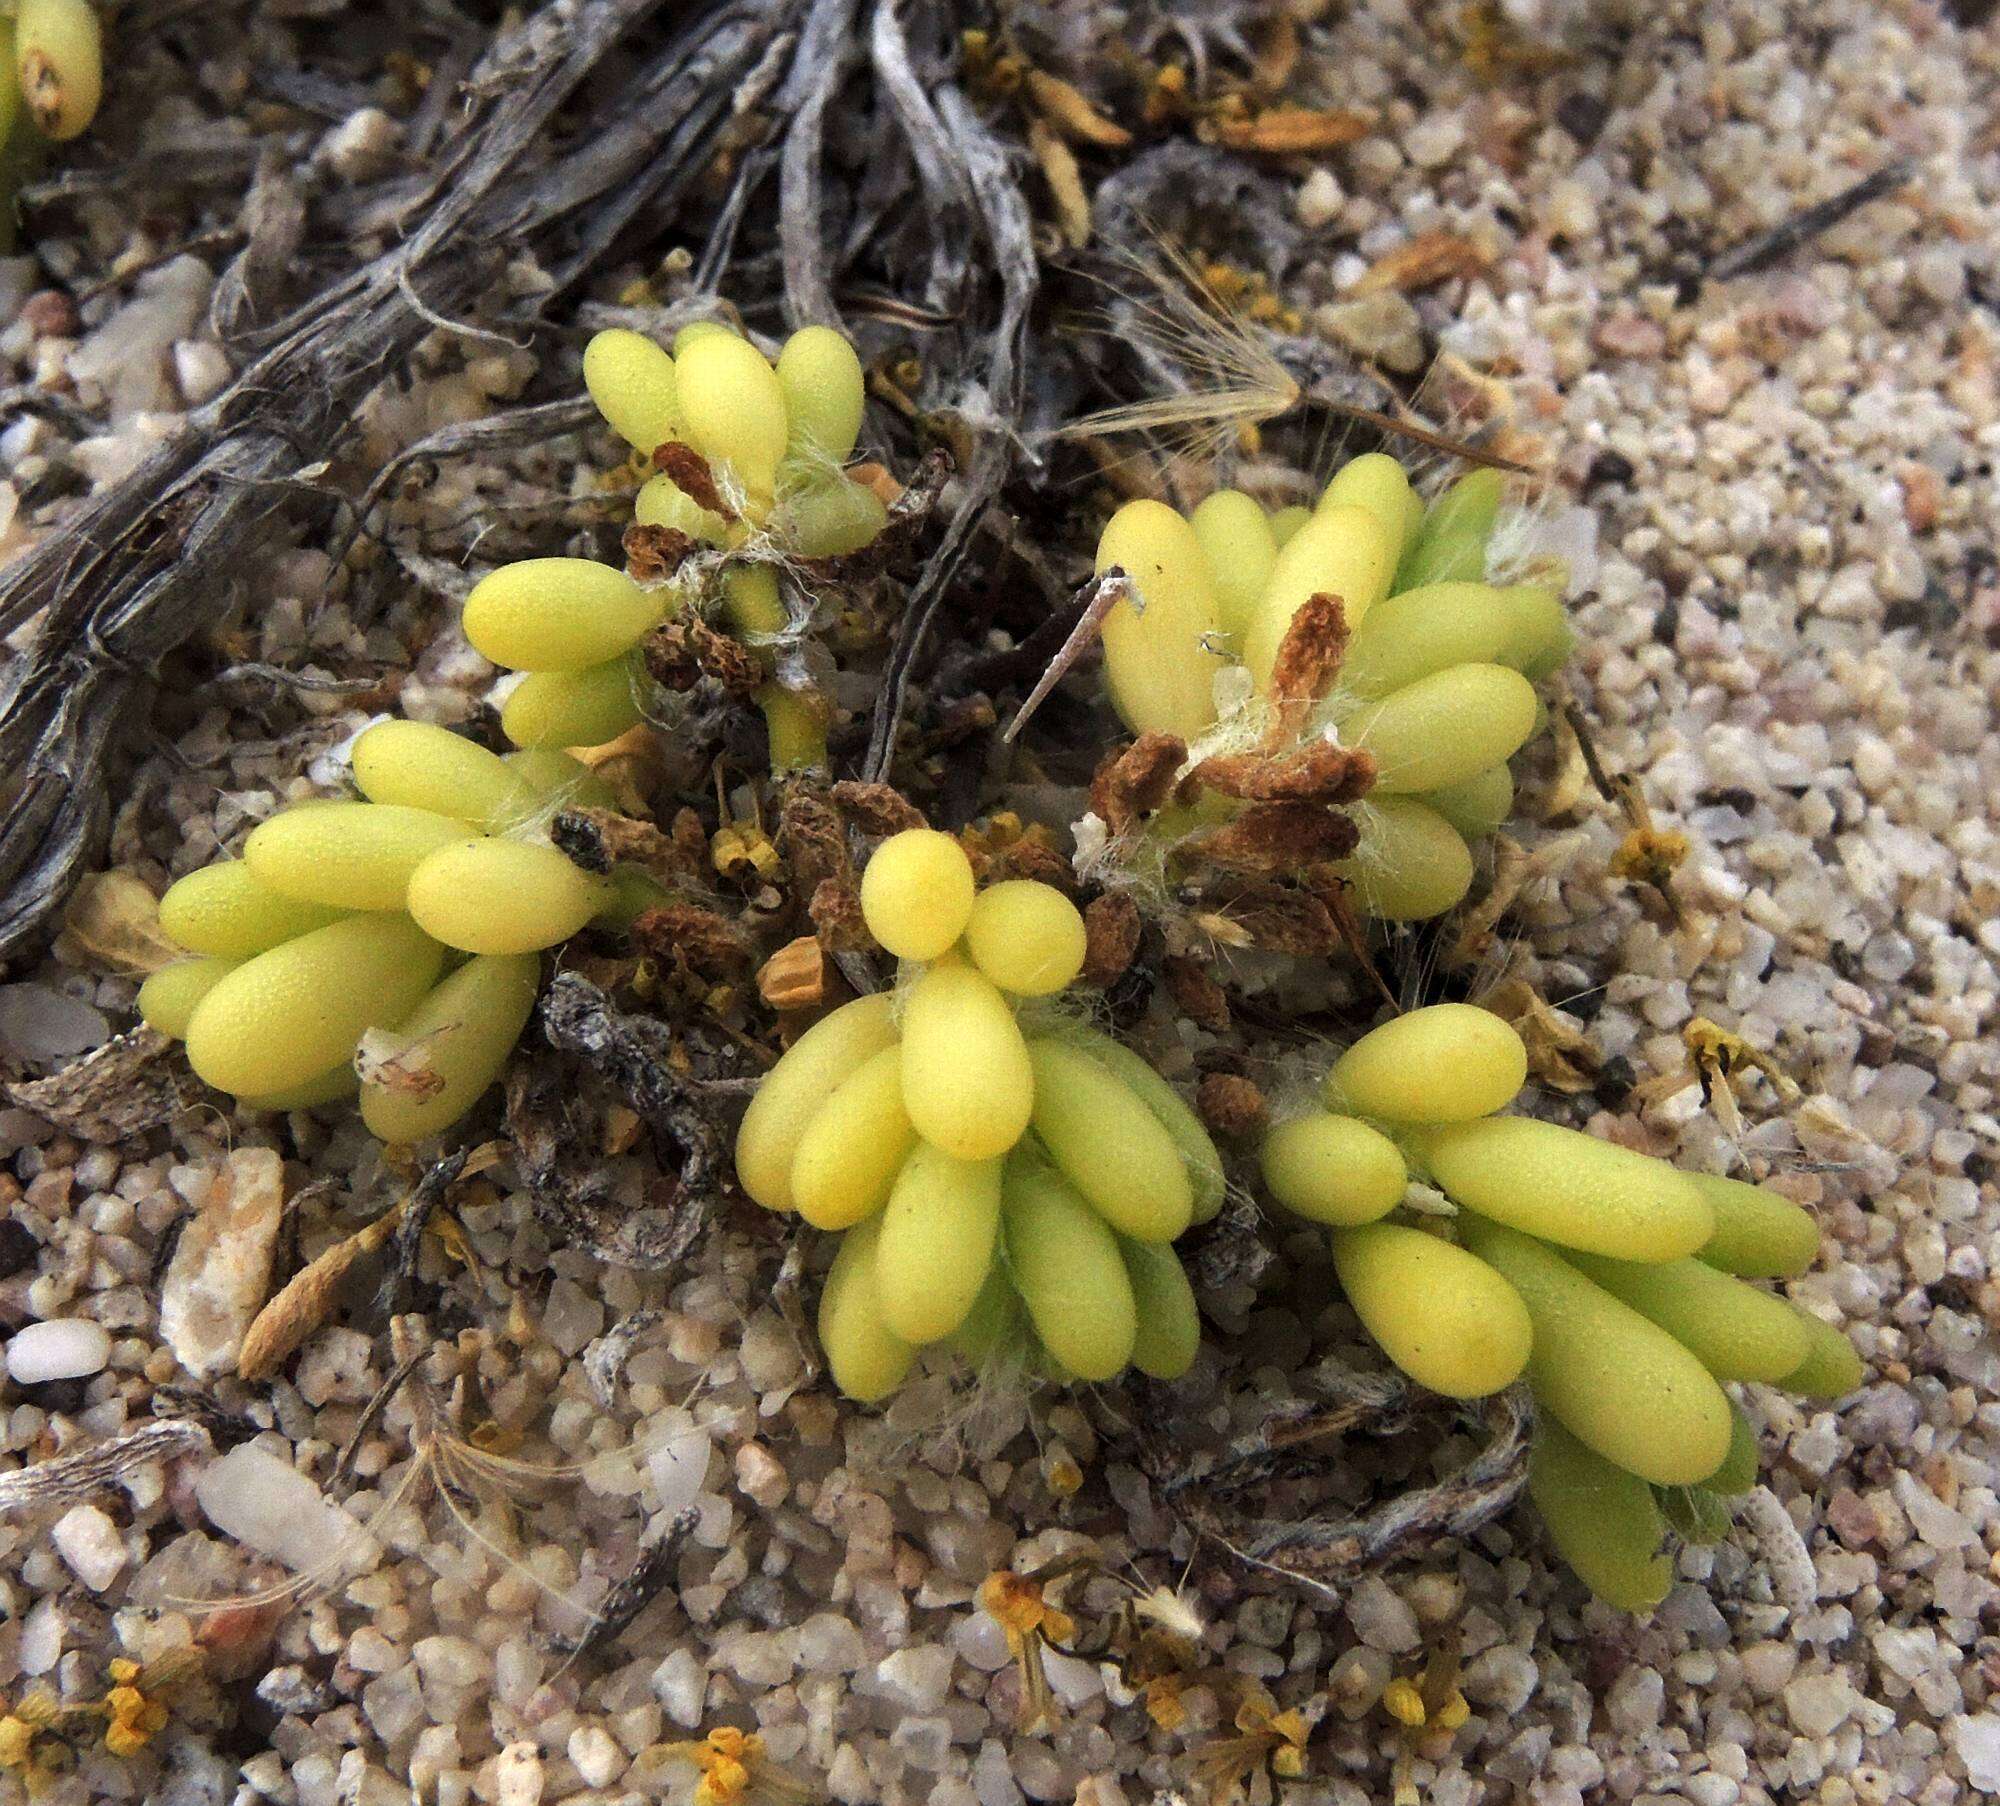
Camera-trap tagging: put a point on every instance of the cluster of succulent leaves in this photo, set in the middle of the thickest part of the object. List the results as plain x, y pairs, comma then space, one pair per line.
1620, 1287
749, 483
54, 77
1263, 642
333, 955
1004, 1178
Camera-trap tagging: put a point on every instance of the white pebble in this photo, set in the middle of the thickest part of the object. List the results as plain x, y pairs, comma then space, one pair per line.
221, 1270
362, 146
1819, 1704
1381, 1620
1319, 200
680, 1683
677, 1459
453, 1663
1977, 1741
916, 1679
89, 1541
64, 1348
41, 1025
201, 368
517, 1776
273, 1508
830, 1644
595, 1755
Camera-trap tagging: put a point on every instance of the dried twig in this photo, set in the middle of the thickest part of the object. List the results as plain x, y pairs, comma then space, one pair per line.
69, 1479
123, 1088
638, 1588
1323, 1554
1767, 248
1094, 601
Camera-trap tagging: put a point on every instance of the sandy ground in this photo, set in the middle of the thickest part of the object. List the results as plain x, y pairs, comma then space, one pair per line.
1788, 634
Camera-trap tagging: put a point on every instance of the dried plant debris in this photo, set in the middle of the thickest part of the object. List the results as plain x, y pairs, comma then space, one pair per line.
88, 1472
1326, 1552
575, 1188
129, 1085
637, 1588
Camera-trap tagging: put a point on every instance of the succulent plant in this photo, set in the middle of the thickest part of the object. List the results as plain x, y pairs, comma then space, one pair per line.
750, 481
321, 955
1003, 1177
1427, 670
1620, 1287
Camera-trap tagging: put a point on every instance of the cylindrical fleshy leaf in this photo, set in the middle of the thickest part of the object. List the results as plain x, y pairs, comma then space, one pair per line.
1342, 551
632, 381
1168, 1336
426, 767
460, 1036
917, 893
1197, 1150
1450, 546
293, 1014
1448, 1062
558, 614
734, 412
1236, 535
1831, 1368
1603, 1521
966, 1078
867, 1359
1615, 1380
1567, 1187
1758, 1234
168, 998
223, 910
825, 395
59, 62
1478, 806
855, 1144
555, 709
1375, 481
793, 1091
1067, 1268
1157, 657
1027, 937
1333, 1169
1109, 1145
939, 1231
1444, 728
1734, 1330
1411, 864
487, 895
1443, 1315
347, 855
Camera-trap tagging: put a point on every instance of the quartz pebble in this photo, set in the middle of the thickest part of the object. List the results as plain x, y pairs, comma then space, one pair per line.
517, 1776
90, 1543
251, 1495
595, 1755
221, 1270
63, 1348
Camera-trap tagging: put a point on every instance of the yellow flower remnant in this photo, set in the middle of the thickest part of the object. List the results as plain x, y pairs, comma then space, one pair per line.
1266, 1738
1016, 1603
734, 1769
